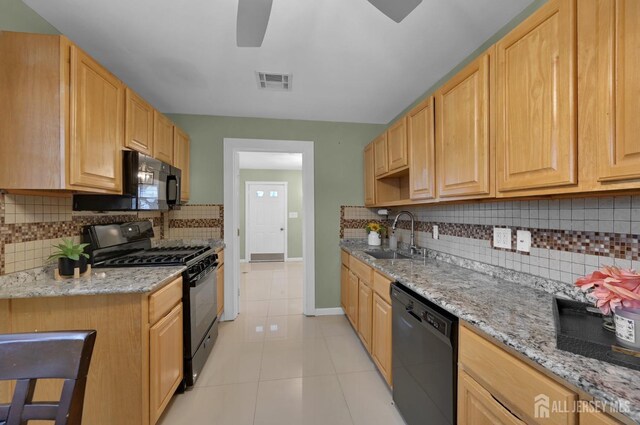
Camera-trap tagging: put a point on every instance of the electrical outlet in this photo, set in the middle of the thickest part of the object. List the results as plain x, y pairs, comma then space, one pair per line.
436, 232
524, 240
501, 238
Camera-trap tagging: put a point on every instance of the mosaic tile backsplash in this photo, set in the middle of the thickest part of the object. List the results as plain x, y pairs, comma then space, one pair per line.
31, 225
570, 237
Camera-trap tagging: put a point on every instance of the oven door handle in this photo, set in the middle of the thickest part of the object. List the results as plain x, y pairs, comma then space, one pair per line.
202, 277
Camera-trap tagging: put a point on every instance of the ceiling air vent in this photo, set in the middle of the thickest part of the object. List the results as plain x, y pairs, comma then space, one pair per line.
272, 81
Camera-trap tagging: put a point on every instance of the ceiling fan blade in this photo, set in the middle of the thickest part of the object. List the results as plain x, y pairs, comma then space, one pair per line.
253, 17
396, 9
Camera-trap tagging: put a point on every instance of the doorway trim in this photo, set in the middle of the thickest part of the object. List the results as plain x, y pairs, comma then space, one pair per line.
231, 149
247, 257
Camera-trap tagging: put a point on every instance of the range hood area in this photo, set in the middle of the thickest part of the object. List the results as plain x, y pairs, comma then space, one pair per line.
148, 185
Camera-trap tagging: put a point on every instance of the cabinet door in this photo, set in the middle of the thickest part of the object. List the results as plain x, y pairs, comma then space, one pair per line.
181, 158
615, 24
464, 140
369, 176
162, 138
596, 418
352, 297
535, 109
381, 164
365, 304
165, 361
476, 406
397, 145
381, 339
139, 124
344, 288
96, 125
220, 288
422, 151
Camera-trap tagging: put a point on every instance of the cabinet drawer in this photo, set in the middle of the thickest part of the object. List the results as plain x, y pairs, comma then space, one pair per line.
363, 271
344, 257
163, 300
511, 381
381, 285
221, 257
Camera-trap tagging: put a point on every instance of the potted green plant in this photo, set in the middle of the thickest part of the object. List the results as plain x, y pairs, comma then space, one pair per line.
70, 255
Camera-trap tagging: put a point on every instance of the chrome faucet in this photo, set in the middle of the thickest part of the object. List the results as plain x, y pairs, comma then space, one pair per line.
412, 246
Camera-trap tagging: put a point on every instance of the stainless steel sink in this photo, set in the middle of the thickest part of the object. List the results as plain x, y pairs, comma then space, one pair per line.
388, 255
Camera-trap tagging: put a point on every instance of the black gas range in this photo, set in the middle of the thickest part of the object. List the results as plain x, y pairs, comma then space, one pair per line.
129, 245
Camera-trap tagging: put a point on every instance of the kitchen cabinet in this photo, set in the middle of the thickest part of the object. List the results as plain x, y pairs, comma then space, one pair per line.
64, 114
398, 153
464, 136
608, 60
369, 175
510, 381
380, 161
138, 124
596, 418
220, 282
381, 339
137, 359
166, 360
536, 116
344, 287
162, 138
352, 298
421, 139
476, 406
181, 155
365, 306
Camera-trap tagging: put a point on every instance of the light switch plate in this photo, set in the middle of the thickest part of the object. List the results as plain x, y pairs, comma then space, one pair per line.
524, 240
501, 238
436, 232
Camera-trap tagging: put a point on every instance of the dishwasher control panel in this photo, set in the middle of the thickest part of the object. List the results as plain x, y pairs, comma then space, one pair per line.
436, 322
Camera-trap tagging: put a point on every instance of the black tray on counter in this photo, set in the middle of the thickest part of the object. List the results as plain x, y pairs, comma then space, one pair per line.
580, 331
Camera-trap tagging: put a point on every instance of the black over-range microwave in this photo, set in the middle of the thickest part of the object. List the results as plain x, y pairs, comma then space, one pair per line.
148, 185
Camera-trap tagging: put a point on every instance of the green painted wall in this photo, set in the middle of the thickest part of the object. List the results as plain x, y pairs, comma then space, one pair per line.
294, 204
17, 16
338, 175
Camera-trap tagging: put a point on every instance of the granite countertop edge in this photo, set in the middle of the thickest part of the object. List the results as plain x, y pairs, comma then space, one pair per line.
533, 336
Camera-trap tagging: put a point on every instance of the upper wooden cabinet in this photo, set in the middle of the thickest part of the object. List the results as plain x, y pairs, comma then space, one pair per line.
398, 153
535, 107
96, 116
62, 117
421, 135
609, 59
181, 153
464, 139
139, 124
162, 138
369, 176
381, 163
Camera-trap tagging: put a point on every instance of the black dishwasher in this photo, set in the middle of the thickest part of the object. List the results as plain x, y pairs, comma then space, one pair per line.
425, 356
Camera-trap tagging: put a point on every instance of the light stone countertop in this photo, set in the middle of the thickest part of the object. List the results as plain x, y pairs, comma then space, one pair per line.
102, 281
518, 315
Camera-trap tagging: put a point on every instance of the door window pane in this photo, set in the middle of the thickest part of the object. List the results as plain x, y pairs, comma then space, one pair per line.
259, 193
273, 194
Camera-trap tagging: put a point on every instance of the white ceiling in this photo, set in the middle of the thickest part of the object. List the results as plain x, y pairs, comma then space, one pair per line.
270, 161
349, 62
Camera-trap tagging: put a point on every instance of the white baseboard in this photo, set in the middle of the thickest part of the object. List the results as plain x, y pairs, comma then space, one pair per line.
336, 311
294, 259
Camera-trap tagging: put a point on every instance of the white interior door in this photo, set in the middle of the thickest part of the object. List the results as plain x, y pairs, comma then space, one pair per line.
267, 221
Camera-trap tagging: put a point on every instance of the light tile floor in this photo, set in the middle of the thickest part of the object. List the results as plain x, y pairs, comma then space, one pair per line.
274, 366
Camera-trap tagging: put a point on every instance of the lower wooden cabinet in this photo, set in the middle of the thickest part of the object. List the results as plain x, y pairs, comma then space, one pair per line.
365, 304
476, 406
381, 336
352, 298
137, 359
166, 361
344, 287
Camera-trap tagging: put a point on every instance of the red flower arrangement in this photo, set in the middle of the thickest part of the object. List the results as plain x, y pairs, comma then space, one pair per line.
612, 287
